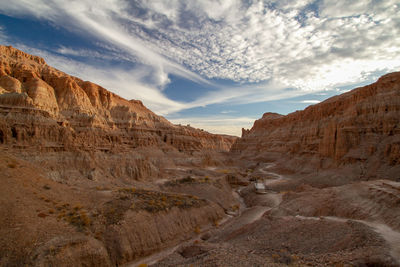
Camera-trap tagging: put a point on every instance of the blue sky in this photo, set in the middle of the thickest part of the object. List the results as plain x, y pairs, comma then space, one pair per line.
217, 65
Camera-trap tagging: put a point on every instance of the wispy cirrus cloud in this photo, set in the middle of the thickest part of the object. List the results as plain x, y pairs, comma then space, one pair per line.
270, 49
3, 36
303, 44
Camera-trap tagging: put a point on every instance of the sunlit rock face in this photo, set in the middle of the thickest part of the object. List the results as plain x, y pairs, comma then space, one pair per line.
99, 133
360, 128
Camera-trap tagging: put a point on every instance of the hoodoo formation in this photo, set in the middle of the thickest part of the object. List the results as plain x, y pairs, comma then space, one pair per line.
91, 179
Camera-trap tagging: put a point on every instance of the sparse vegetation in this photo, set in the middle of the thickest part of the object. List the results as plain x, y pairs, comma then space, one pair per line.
235, 207
188, 180
12, 165
127, 190
225, 171
42, 215
197, 230
77, 207
79, 219
151, 201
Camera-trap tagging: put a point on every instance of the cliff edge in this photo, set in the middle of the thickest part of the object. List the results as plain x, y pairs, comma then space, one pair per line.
358, 131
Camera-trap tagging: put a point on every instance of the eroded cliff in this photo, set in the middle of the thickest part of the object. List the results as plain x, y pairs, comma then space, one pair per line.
84, 126
358, 131
82, 172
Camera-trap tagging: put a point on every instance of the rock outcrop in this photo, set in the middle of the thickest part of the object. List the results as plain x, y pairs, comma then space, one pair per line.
47, 223
46, 110
359, 129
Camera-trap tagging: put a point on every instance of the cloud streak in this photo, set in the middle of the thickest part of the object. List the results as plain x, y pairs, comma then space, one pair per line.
269, 50
288, 41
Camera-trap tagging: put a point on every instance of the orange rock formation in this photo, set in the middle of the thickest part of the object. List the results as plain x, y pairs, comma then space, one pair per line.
73, 108
359, 128
49, 111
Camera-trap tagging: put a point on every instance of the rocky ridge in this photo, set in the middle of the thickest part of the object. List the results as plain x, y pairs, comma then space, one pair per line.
87, 177
50, 112
358, 131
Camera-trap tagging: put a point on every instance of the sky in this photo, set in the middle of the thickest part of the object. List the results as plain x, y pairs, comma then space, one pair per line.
217, 65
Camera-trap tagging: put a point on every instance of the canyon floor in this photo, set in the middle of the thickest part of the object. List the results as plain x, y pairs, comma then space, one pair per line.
297, 224
91, 179
293, 223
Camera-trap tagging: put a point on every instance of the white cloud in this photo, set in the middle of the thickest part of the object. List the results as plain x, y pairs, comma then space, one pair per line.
245, 42
310, 101
290, 44
89, 53
100, 20
273, 45
3, 36
126, 83
218, 124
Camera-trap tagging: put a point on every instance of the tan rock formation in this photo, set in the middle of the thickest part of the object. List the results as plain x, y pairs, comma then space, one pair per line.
80, 104
360, 128
47, 223
44, 109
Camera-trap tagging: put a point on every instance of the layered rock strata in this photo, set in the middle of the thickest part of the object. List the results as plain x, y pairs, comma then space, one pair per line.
360, 128
47, 111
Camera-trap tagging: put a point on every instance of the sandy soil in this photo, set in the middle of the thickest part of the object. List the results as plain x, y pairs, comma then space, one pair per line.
271, 230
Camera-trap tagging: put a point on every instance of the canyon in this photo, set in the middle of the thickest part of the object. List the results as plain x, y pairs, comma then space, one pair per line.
356, 134
91, 179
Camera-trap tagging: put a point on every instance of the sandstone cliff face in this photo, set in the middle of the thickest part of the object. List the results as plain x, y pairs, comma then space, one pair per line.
46, 110
28, 82
359, 128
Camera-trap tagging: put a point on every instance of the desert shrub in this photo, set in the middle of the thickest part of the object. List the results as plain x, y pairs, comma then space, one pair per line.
225, 171
188, 180
235, 207
197, 230
12, 165
78, 206
42, 215
151, 201
127, 189
78, 219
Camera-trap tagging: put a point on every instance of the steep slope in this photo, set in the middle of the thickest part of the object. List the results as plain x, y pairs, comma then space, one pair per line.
82, 172
357, 132
47, 223
27, 82
80, 126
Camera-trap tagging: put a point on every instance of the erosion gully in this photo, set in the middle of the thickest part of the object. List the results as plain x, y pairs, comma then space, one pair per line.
248, 215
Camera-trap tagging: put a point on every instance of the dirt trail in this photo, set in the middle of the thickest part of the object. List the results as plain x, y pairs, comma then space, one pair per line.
247, 217
274, 178
391, 237
158, 256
